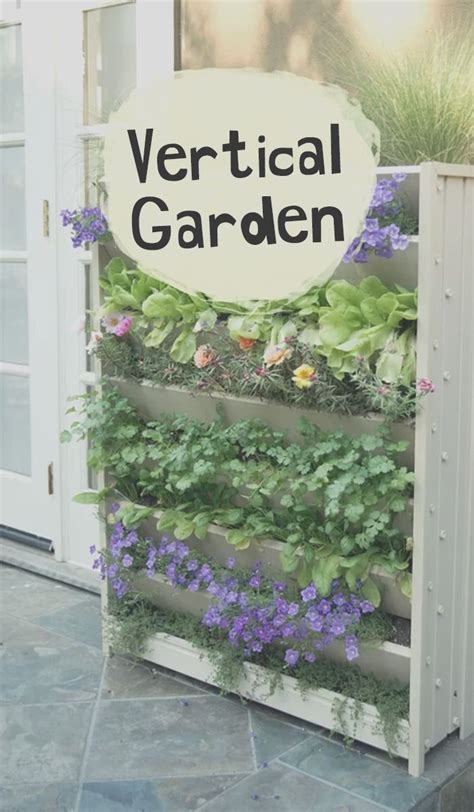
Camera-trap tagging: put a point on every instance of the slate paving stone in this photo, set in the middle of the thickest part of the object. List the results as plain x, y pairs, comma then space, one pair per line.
80, 622
28, 596
124, 679
279, 789
448, 758
39, 798
271, 737
167, 795
458, 795
149, 738
41, 667
365, 777
45, 742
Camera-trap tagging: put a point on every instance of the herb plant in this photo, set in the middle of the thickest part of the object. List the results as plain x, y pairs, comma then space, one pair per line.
333, 499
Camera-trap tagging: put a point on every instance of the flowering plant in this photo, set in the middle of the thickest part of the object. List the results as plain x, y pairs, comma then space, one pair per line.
381, 234
254, 611
88, 225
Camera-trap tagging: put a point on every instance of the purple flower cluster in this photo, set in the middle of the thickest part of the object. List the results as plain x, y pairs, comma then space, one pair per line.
254, 611
88, 225
378, 236
253, 619
120, 543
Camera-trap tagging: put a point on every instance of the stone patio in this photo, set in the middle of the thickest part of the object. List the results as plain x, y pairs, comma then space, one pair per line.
82, 734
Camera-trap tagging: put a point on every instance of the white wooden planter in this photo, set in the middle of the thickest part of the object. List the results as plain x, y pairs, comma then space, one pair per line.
441, 659
385, 660
316, 707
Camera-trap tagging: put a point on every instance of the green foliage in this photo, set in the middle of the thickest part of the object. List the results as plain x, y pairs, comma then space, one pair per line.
340, 322
332, 498
421, 99
370, 322
238, 373
134, 620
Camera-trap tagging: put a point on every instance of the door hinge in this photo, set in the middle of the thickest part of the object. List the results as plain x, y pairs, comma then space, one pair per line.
50, 479
45, 218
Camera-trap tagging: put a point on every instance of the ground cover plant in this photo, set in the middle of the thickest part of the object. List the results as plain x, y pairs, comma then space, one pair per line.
134, 620
332, 499
251, 618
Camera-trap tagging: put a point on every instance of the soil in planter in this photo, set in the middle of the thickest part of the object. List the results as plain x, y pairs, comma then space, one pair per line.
401, 631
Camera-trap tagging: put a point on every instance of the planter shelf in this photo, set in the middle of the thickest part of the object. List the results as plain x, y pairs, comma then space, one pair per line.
317, 706
439, 665
268, 551
385, 660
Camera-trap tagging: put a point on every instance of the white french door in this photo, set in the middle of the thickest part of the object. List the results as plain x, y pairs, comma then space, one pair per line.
28, 353
104, 50
65, 67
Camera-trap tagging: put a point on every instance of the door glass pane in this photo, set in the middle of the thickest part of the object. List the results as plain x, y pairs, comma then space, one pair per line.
12, 195
15, 448
14, 312
110, 60
11, 80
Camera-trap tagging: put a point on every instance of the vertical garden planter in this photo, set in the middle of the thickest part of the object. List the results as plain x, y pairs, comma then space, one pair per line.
439, 665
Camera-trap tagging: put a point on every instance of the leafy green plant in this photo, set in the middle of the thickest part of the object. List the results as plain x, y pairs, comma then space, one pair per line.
367, 321
340, 322
332, 499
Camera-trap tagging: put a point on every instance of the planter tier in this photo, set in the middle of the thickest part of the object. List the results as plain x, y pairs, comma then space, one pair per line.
317, 707
385, 660
268, 551
153, 401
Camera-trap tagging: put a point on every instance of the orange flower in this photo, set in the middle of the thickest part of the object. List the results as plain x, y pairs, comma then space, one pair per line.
275, 354
204, 356
246, 344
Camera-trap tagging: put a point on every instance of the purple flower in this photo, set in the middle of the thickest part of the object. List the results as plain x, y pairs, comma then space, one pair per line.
127, 560
310, 656
366, 607
324, 606
120, 587
279, 586
112, 570
255, 581
293, 609
194, 585
92, 549
309, 593
291, 657
230, 563
88, 225
192, 565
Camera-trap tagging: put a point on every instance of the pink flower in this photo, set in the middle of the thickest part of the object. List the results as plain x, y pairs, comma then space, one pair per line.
117, 324
123, 326
425, 386
383, 390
